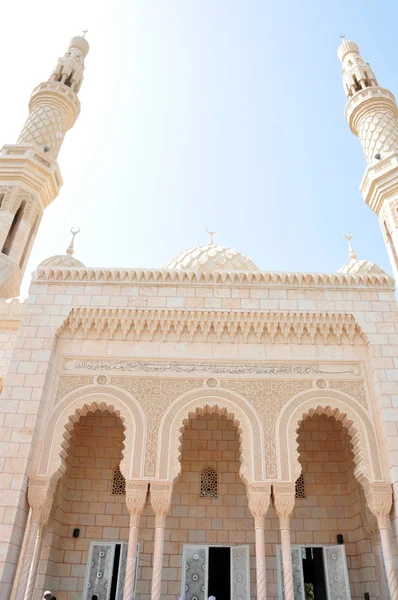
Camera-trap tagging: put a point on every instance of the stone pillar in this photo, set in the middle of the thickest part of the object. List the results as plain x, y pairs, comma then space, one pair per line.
371, 527
160, 501
284, 500
40, 498
136, 495
259, 495
379, 500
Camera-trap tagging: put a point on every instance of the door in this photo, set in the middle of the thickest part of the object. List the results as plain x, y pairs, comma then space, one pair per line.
240, 573
99, 571
298, 576
336, 573
121, 572
195, 564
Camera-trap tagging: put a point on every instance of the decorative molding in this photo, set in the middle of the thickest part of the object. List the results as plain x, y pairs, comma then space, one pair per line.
40, 498
219, 368
290, 327
167, 276
284, 495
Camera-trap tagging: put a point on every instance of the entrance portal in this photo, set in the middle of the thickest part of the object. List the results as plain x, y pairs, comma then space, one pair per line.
319, 573
220, 571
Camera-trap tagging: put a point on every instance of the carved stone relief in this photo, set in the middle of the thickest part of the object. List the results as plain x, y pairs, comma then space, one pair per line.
69, 383
267, 397
356, 389
155, 395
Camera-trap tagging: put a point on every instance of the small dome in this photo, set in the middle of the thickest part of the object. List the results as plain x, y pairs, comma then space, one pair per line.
361, 267
211, 258
63, 261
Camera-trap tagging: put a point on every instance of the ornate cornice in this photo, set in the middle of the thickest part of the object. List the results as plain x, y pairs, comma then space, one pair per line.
213, 325
168, 276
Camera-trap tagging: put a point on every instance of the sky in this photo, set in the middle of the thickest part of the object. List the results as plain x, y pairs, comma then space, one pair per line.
227, 114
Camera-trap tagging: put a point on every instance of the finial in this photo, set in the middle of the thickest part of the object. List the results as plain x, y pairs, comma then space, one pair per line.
211, 233
351, 252
70, 249
84, 32
342, 36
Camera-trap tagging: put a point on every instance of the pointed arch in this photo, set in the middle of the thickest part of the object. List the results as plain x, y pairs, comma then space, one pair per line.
81, 402
223, 402
342, 407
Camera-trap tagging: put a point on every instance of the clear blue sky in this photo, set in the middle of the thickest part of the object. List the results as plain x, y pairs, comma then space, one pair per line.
226, 113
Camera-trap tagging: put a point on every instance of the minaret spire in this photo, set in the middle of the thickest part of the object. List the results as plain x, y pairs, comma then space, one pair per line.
371, 113
30, 178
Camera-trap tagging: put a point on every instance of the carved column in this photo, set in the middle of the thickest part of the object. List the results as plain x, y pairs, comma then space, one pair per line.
379, 499
259, 495
284, 499
160, 501
136, 495
40, 498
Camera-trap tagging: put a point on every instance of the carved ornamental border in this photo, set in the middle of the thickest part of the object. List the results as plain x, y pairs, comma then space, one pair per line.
214, 325
167, 276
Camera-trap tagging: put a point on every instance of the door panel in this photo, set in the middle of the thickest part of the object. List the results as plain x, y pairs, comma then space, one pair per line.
195, 572
336, 573
99, 571
298, 578
240, 573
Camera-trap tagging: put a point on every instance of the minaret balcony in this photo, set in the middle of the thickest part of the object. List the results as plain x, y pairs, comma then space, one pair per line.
380, 181
27, 165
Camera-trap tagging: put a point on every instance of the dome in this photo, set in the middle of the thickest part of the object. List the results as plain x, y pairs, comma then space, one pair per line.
361, 267
358, 267
211, 258
61, 261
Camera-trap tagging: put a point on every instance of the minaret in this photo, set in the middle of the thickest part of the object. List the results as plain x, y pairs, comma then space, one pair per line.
371, 113
30, 178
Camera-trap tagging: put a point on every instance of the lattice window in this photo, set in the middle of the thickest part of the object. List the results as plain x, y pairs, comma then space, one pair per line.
300, 487
209, 483
118, 483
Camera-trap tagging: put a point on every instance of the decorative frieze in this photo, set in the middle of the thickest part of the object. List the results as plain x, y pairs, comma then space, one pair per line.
208, 325
254, 278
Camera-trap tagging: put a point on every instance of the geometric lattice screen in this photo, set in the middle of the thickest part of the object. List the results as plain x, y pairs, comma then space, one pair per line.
209, 483
118, 483
300, 487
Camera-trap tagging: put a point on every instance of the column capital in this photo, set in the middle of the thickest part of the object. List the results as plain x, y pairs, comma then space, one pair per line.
378, 497
161, 500
136, 495
259, 497
40, 497
284, 500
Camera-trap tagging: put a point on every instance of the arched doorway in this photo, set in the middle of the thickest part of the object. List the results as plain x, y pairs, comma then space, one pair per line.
89, 509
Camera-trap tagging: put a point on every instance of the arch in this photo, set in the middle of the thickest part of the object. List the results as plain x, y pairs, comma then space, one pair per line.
82, 402
343, 408
223, 402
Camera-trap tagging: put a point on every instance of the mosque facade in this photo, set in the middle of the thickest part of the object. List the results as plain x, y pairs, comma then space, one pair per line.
202, 429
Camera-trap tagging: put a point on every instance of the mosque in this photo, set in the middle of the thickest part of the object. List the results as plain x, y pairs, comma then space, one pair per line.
202, 428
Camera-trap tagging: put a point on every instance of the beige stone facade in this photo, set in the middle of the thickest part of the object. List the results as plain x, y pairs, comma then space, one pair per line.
205, 428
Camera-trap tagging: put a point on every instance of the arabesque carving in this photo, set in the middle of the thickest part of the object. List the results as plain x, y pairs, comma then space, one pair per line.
268, 397
154, 395
40, 498
356, 389
69, 383
214, 325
